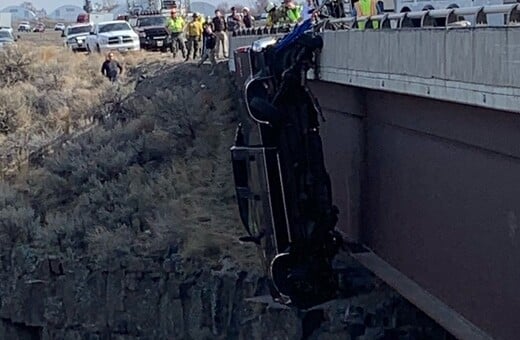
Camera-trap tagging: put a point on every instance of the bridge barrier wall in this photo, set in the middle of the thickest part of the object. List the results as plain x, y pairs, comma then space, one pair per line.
471, 66
475, 66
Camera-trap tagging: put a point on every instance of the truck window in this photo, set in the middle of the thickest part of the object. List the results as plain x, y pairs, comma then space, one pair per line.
113, 27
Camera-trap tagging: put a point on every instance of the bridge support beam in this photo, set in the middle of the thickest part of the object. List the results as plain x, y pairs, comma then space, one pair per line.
431, 187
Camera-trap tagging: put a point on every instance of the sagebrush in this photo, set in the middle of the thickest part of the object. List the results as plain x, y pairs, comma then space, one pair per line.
157, 174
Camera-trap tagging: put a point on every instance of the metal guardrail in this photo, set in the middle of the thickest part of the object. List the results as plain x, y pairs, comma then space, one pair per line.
442, 18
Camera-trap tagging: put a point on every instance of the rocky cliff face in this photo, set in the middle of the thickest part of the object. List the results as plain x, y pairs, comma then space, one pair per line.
166, 296
156, 297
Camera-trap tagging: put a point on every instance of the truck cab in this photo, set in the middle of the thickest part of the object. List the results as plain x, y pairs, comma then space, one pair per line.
76, 35
112, 35
152, 31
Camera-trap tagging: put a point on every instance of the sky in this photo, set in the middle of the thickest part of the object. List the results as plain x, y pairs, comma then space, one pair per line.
51, 5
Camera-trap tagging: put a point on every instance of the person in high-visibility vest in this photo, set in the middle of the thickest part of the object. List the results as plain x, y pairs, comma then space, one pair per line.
291, 12
176, 26
366, 8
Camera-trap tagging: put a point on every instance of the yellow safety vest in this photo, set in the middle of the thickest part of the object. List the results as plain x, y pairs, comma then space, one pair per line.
366, 8
195, 29
175, 25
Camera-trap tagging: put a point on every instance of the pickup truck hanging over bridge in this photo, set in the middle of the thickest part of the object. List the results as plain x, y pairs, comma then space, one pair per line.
283, 189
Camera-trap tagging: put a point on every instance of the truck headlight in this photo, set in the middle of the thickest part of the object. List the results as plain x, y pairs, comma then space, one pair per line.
142, 35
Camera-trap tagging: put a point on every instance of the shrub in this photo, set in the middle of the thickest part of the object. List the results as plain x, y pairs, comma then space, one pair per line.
18, 223
157, 175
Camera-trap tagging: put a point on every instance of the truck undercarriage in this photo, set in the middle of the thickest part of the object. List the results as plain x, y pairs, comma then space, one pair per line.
282, 186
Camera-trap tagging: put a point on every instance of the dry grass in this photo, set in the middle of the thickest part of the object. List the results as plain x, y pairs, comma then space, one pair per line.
162, 177
45, 92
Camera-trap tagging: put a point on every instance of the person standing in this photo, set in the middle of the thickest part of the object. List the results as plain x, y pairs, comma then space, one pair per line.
273, 16
365, 8
248, 19
233, 21
194, 36
210, 41
176, 26
291, 12
111, 68
220, 28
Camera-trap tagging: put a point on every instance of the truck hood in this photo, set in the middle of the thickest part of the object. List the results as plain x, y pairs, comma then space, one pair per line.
146, 28
78, 35
117, 33
6, 42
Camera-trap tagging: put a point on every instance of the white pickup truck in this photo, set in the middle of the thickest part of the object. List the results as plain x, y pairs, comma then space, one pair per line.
112, 35
76, 35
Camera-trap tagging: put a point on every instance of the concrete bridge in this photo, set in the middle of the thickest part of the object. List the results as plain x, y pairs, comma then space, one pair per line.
422, 142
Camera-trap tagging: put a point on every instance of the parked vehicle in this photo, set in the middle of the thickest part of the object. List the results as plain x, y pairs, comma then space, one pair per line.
96, 18
24, 26
152, 32
59, 26
76, 36
113, 35
6, 38
82, 18
8, 29
5, 21
39, 28
124, 17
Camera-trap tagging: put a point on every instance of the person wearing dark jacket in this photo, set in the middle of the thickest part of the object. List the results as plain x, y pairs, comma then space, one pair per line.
111, 68
220, 28
210, 41
234, 22
247, 19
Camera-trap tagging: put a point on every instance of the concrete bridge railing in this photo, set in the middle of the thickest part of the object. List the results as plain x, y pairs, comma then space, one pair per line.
476, 66
507, 15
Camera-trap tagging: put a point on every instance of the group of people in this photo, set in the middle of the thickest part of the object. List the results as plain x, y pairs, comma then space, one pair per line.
206, 36
212, 33
288, 13
291, 13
